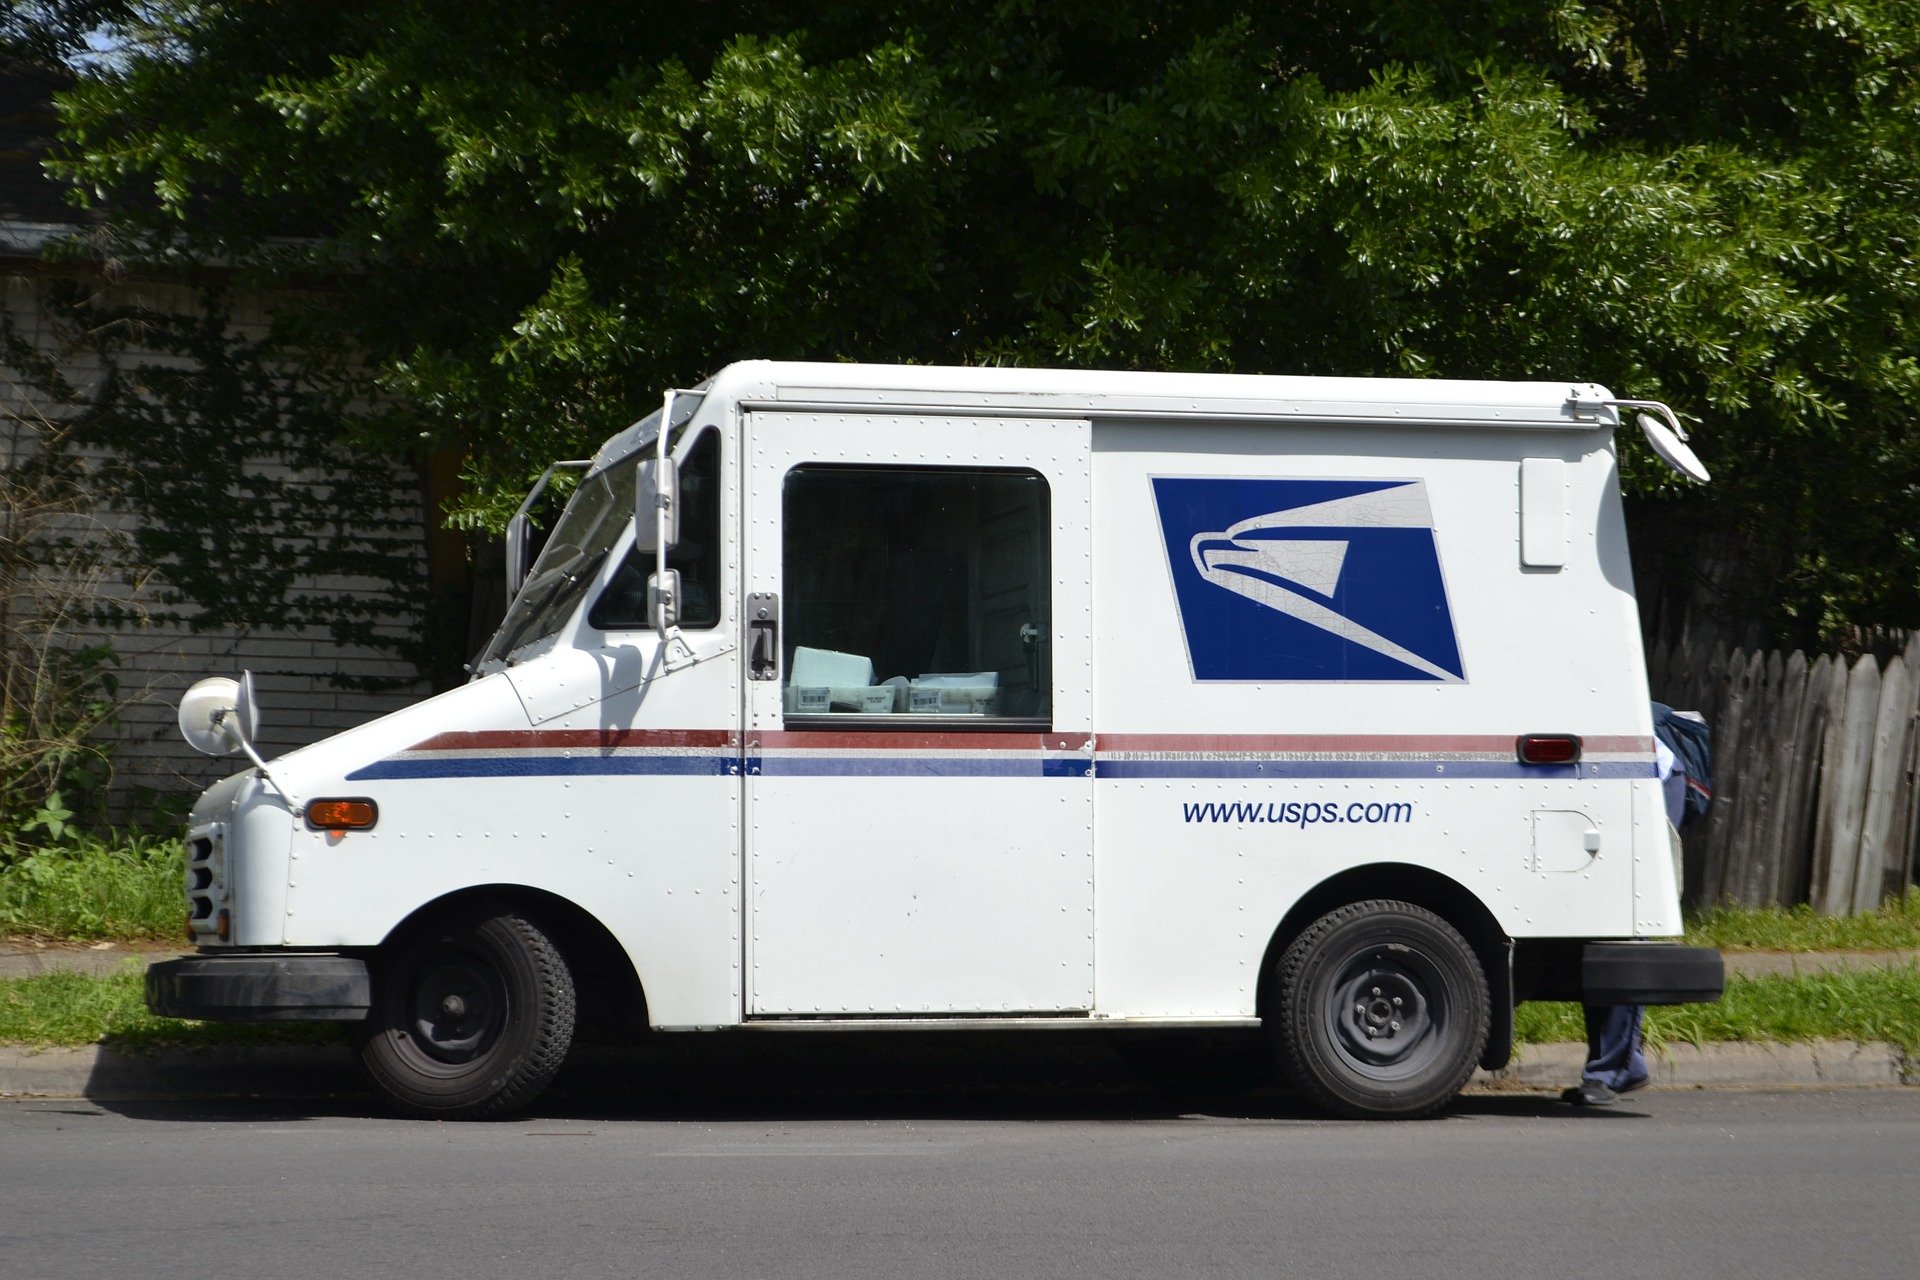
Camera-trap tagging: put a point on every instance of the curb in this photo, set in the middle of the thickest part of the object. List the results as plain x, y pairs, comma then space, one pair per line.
1824, 1064
106, 1074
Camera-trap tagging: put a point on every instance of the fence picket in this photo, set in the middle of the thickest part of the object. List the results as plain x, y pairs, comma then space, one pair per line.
1752, 855
1786, 834
1735, 688
1893, 721
1843, 782
1832, 707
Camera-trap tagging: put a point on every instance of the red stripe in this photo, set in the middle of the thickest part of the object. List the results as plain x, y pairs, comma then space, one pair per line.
919, 740
933, 740
582, 739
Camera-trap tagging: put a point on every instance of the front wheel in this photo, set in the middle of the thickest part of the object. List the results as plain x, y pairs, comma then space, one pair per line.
1383, 1011
472, 1016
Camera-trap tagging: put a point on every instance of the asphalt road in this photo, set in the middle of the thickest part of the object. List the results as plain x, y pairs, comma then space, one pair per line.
1701, 1184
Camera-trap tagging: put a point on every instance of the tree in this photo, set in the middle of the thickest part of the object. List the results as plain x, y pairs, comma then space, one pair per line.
52, 33
534, 216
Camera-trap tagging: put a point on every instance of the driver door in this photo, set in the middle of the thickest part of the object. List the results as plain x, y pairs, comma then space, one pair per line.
919, 835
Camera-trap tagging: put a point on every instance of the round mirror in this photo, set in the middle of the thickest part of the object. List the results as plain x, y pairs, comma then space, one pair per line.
204, 710
1672, 449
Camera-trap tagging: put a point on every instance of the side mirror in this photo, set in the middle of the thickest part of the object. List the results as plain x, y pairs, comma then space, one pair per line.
516, 553
217, 715
658, 488
663, 600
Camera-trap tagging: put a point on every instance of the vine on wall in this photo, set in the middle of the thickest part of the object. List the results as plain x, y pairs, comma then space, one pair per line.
233, 455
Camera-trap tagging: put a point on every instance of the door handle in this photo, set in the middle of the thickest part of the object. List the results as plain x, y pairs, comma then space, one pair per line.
763, 635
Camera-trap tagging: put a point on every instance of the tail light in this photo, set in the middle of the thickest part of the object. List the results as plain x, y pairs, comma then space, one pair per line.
1548, 748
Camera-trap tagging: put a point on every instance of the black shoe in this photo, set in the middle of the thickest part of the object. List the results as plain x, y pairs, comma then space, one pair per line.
1634, 1085
1590, 1093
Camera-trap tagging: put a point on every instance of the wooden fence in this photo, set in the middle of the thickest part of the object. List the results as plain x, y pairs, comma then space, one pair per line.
1814, 773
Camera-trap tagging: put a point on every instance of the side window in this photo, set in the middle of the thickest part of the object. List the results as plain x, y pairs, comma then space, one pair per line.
623, 605
917, 592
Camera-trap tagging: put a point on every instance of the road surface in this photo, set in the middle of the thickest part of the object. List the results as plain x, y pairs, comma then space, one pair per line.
967, 1183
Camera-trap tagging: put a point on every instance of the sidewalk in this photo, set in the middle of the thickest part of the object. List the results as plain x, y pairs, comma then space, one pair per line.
25, 958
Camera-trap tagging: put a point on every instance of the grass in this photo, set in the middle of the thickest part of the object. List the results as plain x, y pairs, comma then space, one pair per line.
129, 888
1862, 1005
76, 1009
1895, 926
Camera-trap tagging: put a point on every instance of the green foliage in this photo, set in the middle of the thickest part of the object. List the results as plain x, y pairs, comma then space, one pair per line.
1865, 1005
79, 1009
1894, 927
52, 32
59, 690
59, 701
68, 884
230, 451
537, 215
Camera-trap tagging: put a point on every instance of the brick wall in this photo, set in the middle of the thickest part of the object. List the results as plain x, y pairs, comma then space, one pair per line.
297, 672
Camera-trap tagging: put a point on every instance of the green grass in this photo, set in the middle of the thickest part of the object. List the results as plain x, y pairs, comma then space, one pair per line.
75, 1009
1863, 1005
92, 887
1895, 926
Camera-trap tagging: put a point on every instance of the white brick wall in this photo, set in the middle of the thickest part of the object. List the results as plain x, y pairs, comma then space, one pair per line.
294, 670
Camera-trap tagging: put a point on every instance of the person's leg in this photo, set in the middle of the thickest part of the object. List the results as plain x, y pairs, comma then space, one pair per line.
1613, 1046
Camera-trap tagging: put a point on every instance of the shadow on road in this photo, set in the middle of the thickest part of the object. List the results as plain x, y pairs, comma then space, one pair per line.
1032, 1077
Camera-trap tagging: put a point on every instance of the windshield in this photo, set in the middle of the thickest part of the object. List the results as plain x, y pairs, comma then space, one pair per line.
599, 512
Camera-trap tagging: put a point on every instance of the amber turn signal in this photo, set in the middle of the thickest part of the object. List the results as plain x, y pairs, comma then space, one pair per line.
341, 815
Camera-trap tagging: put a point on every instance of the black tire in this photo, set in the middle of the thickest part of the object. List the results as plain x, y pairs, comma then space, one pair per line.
1382, 1011
471, 1017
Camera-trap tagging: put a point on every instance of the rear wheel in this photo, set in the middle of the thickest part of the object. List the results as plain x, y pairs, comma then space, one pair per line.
1383, 1011
472, 1016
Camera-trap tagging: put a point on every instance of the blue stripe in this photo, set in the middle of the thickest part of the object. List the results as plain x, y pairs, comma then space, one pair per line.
548, 766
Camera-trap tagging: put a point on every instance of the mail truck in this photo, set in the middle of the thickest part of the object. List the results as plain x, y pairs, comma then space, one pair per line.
859, 697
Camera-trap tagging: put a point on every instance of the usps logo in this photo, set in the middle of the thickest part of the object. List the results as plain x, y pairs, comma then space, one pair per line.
1334, 580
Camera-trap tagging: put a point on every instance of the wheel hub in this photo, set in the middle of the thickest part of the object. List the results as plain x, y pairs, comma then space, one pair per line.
457, 1008
1383, 1015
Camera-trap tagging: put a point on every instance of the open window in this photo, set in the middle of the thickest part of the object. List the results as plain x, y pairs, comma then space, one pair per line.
917, 592
623, 605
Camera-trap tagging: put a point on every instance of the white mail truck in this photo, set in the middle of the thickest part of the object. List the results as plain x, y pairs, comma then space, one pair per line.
847, 696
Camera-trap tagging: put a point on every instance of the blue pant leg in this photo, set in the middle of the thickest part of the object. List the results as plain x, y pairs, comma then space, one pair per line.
1613, 1045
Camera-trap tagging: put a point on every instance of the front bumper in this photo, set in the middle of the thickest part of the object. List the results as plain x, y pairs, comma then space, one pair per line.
1650, 973
261, 988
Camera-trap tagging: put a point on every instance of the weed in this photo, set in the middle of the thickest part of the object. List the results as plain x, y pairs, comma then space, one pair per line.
1861, 1005
1895, 926
75, 1009
86, 887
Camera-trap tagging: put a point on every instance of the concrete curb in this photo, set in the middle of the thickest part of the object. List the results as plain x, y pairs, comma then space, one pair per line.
1825, 1064
304, 1071
108, 1074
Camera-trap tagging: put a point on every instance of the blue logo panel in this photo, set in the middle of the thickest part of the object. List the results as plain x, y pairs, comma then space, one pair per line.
1308, 579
